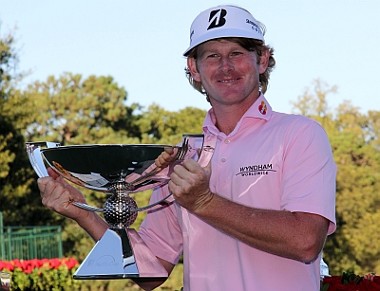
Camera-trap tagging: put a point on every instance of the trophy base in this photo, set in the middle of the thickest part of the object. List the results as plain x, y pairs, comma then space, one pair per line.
105, 261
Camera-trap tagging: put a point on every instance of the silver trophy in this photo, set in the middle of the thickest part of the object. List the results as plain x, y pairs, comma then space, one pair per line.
117, 170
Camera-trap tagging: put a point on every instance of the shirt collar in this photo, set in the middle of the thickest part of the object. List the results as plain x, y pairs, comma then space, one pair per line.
260, 109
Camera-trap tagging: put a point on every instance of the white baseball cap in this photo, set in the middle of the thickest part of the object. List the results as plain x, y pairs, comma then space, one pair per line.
224, 21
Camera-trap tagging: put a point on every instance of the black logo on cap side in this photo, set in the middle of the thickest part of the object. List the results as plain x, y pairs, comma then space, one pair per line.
217, 18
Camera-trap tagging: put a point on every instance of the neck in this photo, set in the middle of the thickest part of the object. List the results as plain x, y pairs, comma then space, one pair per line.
227, 116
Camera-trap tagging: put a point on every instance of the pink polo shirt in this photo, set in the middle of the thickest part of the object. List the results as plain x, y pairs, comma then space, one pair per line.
271, 160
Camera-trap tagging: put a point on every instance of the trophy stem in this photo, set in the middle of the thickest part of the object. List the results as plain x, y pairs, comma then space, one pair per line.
126, 246
127, 251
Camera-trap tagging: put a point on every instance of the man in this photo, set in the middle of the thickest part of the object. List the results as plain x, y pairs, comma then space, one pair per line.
256, 217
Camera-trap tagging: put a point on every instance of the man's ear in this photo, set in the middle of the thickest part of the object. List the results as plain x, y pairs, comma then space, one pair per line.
192, 65
264, 61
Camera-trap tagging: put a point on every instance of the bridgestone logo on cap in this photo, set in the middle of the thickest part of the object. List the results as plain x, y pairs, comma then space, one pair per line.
216, 18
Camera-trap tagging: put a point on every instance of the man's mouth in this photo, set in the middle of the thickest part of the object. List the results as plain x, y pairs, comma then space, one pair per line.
229, 81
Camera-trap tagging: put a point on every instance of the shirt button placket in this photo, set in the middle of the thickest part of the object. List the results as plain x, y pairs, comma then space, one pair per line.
223, 177
226, 141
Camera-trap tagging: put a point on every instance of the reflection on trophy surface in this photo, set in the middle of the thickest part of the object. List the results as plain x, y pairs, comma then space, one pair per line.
117, 170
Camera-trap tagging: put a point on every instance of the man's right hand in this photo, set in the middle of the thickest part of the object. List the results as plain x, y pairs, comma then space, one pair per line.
57, 194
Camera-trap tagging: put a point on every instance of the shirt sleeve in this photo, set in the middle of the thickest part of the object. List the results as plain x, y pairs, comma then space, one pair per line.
160, 229
309, 172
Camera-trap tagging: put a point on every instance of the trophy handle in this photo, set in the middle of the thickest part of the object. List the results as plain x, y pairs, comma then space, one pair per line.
193, 146
33, 150
96, 209
160, 202
87, 207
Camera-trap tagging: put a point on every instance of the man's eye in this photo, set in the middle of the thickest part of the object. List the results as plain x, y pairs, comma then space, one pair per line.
211, 56
236, 53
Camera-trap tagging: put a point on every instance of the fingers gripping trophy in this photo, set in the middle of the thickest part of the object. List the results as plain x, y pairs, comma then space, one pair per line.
118, 170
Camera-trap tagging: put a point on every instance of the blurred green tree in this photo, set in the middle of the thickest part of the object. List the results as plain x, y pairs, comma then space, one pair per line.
354, 138
19, 207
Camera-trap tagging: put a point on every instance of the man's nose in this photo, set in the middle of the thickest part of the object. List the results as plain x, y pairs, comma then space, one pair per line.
226, 64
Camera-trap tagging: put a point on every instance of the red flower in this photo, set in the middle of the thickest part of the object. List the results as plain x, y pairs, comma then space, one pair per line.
70, 263
17, 263
27, 266
55, 263
4, 265
353, 283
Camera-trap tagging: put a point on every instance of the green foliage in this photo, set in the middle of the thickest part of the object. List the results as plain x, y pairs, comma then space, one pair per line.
8, 63
57, 274
16, 179
75, 111
62, 279
158, 125
44, 279
6, 156
357, 193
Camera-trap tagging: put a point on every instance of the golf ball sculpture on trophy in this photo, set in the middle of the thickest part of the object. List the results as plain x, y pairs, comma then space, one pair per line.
117, 170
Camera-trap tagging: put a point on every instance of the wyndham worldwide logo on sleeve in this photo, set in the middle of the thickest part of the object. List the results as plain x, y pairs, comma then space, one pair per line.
254, 170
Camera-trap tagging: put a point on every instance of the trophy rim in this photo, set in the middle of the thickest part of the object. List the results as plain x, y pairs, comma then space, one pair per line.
108, 145
61, 159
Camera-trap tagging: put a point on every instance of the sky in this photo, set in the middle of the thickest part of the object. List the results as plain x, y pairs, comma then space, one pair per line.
140, 44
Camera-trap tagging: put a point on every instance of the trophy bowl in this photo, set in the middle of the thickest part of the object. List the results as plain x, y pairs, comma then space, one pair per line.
117, 170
